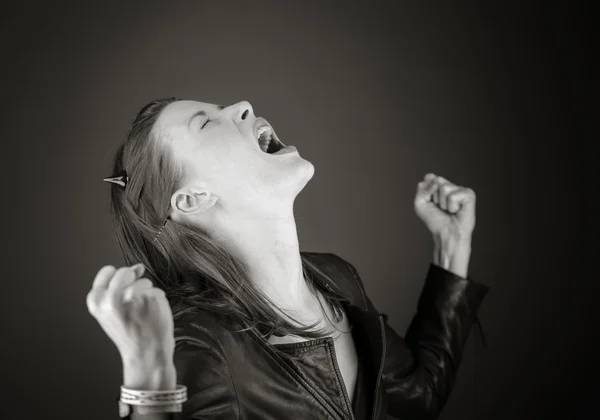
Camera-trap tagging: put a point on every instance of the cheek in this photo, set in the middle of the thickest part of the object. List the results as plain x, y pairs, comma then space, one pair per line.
230, 165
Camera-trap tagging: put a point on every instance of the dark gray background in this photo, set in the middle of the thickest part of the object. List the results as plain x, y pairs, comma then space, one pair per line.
375, 95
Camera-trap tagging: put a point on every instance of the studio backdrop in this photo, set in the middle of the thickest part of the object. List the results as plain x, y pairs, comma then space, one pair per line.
374, 95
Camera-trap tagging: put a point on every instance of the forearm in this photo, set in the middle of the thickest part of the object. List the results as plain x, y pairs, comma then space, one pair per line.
452, 255
421, 367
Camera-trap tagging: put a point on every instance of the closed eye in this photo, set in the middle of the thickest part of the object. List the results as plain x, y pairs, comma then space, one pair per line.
204, 125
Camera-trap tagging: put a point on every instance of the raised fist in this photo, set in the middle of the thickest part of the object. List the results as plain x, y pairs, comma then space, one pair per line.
135, 315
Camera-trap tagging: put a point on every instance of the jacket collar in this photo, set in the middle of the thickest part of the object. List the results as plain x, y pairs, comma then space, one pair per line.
339, 278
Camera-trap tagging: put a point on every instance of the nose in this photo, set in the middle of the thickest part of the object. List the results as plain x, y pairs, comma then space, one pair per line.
241, 111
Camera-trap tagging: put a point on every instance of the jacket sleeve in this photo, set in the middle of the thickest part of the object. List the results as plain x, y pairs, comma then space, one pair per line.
420, 368
202, 367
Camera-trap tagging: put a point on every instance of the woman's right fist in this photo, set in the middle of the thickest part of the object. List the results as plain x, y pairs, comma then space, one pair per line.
135, 316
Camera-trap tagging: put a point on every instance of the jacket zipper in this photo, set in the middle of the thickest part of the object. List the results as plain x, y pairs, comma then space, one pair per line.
380, 373
340, 379
331, 410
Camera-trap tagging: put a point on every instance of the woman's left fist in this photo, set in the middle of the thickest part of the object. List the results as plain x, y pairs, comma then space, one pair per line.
448, 210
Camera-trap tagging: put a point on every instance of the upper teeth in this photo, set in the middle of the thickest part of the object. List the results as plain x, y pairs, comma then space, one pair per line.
264, 137
263, 129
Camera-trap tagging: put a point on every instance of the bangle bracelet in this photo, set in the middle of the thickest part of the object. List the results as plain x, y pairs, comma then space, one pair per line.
154, 398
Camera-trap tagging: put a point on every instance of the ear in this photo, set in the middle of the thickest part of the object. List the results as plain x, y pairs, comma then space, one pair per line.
189, 200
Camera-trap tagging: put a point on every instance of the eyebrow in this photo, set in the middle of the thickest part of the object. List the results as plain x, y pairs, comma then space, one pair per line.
203, 113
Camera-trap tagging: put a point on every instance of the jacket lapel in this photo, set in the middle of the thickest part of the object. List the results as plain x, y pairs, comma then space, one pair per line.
367, 324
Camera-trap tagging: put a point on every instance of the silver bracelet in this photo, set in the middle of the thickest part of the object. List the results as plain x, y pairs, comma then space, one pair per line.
163, 401
154, 398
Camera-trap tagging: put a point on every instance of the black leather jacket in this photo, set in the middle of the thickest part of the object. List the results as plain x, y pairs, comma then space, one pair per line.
238, 376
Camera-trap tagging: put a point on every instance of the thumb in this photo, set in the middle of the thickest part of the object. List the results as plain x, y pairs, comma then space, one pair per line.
425, 189
138, 269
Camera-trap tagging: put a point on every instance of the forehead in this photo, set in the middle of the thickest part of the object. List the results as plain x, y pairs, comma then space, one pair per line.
179, 113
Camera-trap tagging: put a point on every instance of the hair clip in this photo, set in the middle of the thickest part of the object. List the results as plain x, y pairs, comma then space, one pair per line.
161, 229
120, 178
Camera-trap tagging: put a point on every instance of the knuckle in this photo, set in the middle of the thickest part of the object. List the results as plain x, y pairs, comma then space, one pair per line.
91, 306
104, 273
145, 281
90, 298
121, 270
123, 274
108, 304
157, 294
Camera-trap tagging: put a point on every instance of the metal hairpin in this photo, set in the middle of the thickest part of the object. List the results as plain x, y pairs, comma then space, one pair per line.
121, 179
161, 229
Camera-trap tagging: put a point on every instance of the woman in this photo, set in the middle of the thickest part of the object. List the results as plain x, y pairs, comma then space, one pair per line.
221, 300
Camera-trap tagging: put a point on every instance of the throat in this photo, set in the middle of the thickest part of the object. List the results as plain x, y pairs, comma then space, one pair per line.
317, 313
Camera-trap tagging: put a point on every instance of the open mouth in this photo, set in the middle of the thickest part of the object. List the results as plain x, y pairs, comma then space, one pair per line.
267, 140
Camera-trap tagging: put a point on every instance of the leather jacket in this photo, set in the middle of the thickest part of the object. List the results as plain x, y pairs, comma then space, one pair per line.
236, 375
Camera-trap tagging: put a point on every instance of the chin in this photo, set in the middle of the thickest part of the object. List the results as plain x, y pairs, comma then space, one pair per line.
305, 171
297, 174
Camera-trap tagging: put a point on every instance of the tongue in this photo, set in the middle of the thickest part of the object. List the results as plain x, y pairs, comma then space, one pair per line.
285, 149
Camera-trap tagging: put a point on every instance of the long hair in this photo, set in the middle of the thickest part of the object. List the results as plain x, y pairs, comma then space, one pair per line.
196, 272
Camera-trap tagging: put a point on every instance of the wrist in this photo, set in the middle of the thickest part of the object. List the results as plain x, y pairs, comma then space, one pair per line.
452, 254
141, 375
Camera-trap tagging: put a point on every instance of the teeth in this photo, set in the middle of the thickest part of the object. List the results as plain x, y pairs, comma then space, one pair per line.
264, 144
264, 137
263, 129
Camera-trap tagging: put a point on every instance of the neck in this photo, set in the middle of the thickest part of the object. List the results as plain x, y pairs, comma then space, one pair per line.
270, 250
